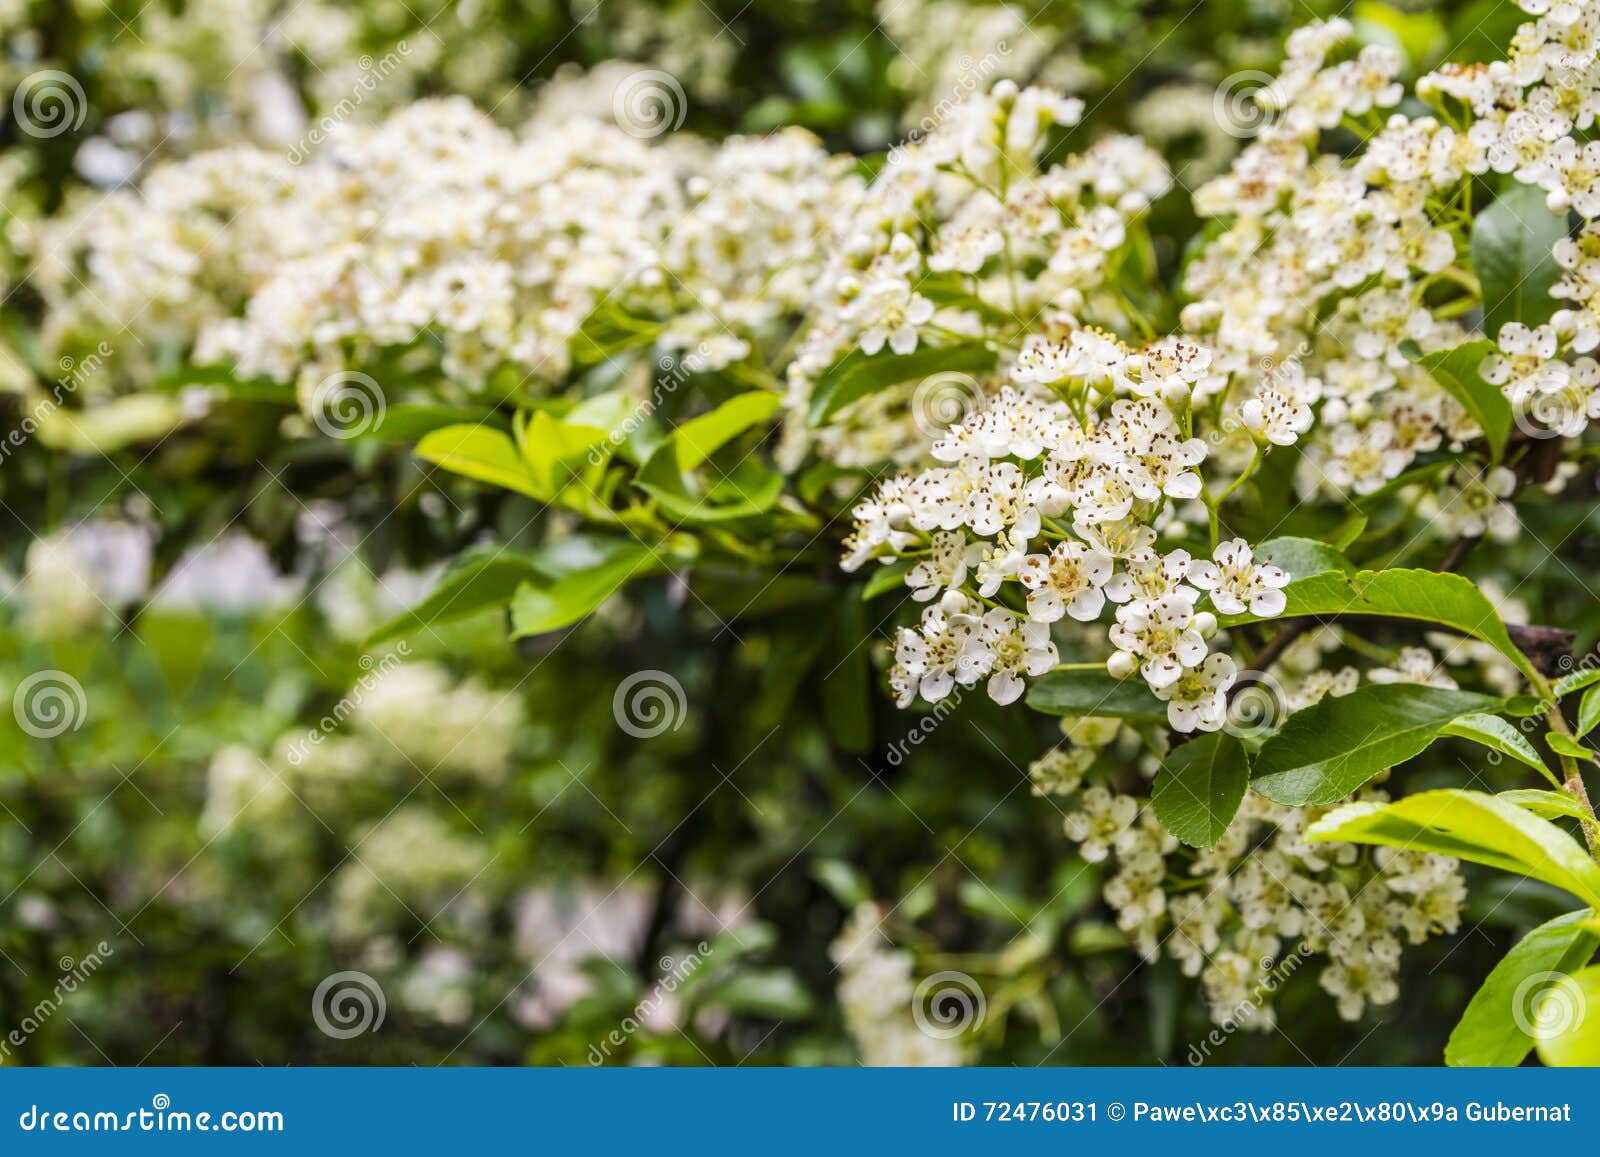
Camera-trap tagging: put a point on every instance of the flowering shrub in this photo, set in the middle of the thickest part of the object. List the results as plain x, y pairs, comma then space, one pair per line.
1213, 495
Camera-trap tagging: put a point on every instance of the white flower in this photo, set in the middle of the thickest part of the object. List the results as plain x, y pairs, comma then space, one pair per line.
1013, 647
1160, 635
944, 650
1198, 700
890, 313
1067, 581
1238, 584
944, 569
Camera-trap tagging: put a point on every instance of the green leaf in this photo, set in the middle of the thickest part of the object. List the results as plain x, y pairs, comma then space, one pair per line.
536, 609
1566, 745
1491, 1031
749, 489
1575, 1006
1079, 693
699, 438
888, 577
1549, 804
1512, 242
1199, 788
481, 453
557, 452
1429, 596
1589, 711
856, 375
475, 584
1330, 749
409, 422
1576, 681
1301, 557
843, 880
1456, 371
1498, 735
1469, 825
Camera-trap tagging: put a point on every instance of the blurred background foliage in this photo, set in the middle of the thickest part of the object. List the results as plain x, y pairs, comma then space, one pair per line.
518, 905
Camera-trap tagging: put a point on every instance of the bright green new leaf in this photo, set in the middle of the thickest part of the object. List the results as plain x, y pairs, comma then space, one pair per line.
557, 451
1494, 1028
481, 453
699, 438
1199, 788
1576, 681
1330, 749
1548, 804
474, 584
1429, 596
1589, 711
1498, 735
1568, 746
1469, 825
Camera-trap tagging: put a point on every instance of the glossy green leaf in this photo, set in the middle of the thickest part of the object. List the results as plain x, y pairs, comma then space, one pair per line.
1324, 753
1568, 746
699, 438
1493, 1029
1589, 711
1079, 693
856, 375
1456, 371
1512, 242
1199, 787
1498, 735
481, 453
890, 577
1549, 804
1301, 557
1425, 595
1576, 681
1469, 825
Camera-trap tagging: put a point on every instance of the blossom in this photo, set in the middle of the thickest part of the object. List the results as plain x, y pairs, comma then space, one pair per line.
1067, 581
1238, 584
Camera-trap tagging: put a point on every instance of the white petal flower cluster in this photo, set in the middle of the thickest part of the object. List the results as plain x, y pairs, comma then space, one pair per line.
1045, 508
439, 235
877, 994
1244, 915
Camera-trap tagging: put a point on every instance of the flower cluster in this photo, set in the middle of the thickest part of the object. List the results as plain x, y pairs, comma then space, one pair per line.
1236, 915
876, 993
1049, 510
